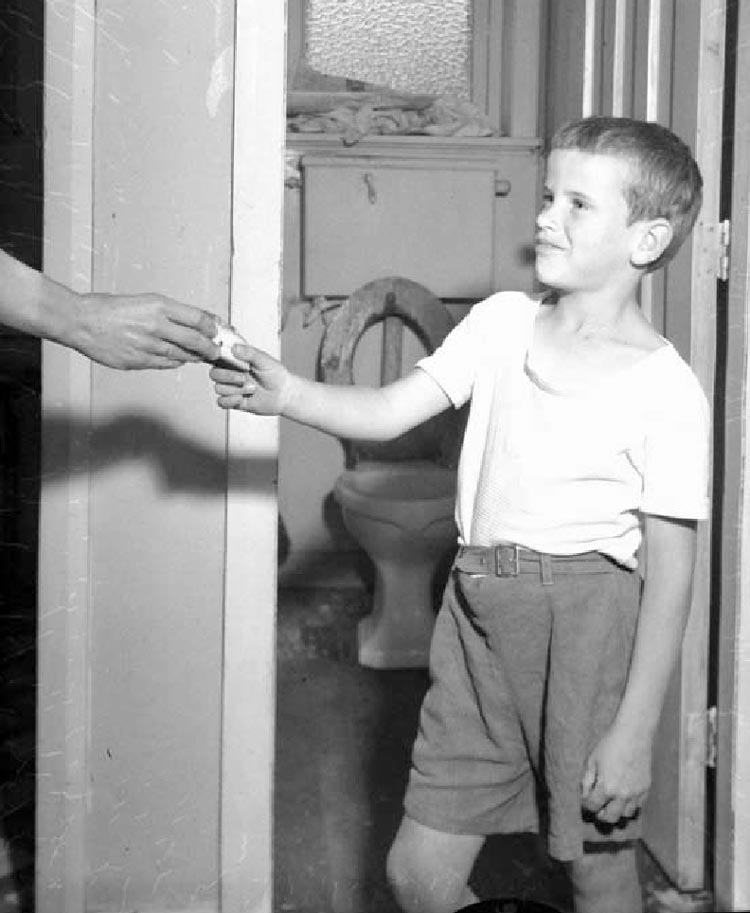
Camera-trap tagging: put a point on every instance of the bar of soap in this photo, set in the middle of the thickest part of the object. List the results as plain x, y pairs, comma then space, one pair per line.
226, 337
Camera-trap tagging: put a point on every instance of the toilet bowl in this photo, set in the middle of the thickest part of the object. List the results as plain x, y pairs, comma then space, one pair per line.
397, 498
402, 516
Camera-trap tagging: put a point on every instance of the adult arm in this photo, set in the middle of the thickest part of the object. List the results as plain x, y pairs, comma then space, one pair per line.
618, 771
121, 331
359, 412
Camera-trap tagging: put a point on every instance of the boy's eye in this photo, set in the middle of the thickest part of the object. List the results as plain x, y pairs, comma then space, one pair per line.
578, 204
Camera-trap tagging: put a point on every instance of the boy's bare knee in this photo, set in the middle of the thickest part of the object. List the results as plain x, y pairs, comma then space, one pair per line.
410, 881
396, 869
428, 871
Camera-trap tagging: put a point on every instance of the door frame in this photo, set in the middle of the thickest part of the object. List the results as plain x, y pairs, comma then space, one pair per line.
254, 68
732, 814
250, 584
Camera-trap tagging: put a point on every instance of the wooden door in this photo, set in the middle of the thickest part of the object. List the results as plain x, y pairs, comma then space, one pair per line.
663, 60
676, 816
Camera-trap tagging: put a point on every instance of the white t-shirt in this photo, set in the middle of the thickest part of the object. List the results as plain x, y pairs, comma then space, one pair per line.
565, 472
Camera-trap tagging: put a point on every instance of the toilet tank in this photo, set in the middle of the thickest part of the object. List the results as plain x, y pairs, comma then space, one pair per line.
426, 220
459, 223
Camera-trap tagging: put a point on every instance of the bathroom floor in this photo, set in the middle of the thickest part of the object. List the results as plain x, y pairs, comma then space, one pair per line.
344, 735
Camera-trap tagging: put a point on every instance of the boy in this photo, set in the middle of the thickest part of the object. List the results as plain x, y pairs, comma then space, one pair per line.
586, 430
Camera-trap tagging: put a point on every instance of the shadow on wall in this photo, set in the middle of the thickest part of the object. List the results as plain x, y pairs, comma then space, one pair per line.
181, 463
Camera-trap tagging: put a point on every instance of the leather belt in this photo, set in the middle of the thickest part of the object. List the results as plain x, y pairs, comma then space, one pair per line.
509, 560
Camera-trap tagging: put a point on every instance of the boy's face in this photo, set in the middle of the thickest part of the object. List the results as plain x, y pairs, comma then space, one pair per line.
583, 240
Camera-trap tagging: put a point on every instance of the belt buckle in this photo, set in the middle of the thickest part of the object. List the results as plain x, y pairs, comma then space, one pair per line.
507, 560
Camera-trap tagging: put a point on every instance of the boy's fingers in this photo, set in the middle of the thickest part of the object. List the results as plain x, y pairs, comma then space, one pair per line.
589, 778
631, 808
230, 402
228, 376
247, 353
611, 811
227, 390
595, 798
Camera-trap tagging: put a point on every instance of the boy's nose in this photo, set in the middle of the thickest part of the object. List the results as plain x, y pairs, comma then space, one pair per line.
545, 218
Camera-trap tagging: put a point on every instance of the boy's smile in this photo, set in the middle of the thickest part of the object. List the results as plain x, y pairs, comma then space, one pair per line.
583, 240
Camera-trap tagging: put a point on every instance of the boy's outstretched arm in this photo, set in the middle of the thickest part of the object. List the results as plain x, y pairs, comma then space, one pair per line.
359, 412
618, 771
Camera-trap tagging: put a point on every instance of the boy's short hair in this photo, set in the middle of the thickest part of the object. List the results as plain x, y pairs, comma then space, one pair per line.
666, 181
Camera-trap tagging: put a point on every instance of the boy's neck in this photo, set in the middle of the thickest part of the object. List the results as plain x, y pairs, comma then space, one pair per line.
595, 313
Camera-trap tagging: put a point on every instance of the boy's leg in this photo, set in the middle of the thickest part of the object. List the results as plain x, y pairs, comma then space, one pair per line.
428, 870
606, 881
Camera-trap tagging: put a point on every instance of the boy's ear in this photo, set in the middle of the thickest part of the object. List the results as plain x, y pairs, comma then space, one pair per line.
653, 240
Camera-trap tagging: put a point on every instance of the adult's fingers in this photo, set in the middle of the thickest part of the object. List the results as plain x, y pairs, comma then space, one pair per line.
194, 344
204, 322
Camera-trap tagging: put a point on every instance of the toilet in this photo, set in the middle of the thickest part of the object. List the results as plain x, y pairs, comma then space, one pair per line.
397, 498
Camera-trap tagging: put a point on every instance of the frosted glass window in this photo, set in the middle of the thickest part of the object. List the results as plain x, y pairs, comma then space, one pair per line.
408, 45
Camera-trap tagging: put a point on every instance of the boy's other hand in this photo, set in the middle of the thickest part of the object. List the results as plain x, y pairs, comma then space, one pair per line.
617, 777
263, 389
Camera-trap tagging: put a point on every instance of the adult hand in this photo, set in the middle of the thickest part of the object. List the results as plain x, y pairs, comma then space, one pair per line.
142, 331
263, 389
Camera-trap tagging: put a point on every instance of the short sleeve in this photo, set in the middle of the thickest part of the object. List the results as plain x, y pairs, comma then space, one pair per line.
677, 441
478, 340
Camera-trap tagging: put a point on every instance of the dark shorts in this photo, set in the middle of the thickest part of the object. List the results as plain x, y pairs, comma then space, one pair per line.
526, 677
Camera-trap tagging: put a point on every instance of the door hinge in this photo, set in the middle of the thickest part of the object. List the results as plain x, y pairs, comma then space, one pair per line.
711, 737
724, 237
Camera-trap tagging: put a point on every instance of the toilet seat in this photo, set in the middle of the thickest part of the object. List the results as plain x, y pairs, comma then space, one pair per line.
430, 321
393, 296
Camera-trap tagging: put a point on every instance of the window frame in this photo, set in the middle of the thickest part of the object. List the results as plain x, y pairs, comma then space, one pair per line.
486, 79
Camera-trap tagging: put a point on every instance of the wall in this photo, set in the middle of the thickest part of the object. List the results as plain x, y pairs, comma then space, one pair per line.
139, 174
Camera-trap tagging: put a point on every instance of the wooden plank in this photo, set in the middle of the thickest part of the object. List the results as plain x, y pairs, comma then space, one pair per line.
731, 848
708, 152
565, 56
249, 686
675, 824
654, 55
496, 64
591, 46
480, 54
63, 593
392, 349
620, 42
651, 52
523, 68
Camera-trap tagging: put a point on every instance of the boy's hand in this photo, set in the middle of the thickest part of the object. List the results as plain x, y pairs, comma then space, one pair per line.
617, 777
263, 389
